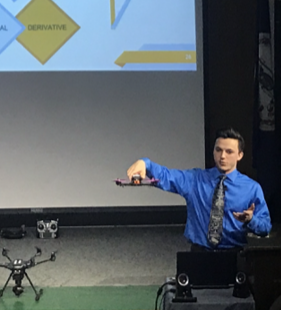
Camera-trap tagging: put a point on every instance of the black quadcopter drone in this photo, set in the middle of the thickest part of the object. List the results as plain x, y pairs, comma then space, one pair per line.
18, 267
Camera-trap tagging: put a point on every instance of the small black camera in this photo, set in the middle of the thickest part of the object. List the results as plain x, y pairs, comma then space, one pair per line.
47, 229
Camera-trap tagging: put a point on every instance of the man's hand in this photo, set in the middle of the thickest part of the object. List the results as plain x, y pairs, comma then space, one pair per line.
246, 215
137, 168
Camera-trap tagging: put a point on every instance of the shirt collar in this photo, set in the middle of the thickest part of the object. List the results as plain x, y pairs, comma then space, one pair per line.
230, 176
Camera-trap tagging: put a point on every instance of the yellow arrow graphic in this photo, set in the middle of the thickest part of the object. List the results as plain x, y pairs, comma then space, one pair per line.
112, 11
156, 57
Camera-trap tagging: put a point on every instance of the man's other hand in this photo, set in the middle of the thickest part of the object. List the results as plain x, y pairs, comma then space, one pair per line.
137, 168
246, 215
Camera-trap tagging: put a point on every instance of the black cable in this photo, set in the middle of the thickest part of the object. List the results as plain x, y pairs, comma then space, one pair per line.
171, 290
159, 292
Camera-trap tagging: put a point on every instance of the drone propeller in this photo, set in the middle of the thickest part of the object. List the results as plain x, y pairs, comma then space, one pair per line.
5, 253
53, 256
38, 251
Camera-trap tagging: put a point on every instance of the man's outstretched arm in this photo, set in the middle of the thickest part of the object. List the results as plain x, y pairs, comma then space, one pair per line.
172, 180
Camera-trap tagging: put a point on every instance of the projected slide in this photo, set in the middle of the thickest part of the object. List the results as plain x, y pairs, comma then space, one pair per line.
97, 35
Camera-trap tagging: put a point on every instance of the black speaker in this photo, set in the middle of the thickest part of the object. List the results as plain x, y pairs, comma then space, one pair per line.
183, 289
241, 285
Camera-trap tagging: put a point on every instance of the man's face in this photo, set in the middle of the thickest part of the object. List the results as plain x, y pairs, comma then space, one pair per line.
227, 154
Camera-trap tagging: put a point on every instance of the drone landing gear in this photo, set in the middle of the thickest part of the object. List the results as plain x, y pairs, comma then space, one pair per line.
18, 289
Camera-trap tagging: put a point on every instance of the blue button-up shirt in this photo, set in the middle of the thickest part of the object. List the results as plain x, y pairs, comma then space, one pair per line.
197, 187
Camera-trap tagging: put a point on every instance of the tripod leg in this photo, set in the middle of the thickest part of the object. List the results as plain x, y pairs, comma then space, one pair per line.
38, 295
3, 289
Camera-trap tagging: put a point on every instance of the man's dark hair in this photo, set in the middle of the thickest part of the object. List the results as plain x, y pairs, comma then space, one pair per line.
232, 134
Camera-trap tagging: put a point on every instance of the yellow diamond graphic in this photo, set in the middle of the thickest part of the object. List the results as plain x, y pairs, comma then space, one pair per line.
48, 28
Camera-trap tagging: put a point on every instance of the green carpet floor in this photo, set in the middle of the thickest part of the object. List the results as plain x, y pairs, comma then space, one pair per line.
82, 298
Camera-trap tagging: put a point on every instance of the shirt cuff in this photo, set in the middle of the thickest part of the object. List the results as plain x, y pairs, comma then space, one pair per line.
253, 223
147, 163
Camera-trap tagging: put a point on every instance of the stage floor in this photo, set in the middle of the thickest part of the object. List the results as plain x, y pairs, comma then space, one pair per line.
105, 256
101, 255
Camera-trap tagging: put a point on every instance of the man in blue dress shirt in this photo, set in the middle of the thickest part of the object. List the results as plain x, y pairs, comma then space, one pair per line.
245, 208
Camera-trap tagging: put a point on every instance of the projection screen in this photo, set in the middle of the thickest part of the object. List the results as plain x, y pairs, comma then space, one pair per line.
87, 88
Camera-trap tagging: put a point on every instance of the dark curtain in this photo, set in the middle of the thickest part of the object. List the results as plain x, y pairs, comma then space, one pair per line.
266, 159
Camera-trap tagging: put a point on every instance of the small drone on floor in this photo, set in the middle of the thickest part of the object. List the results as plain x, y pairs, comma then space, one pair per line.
136, 180
18, 267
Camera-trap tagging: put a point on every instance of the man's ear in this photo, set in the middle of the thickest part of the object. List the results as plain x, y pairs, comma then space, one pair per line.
240, 156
